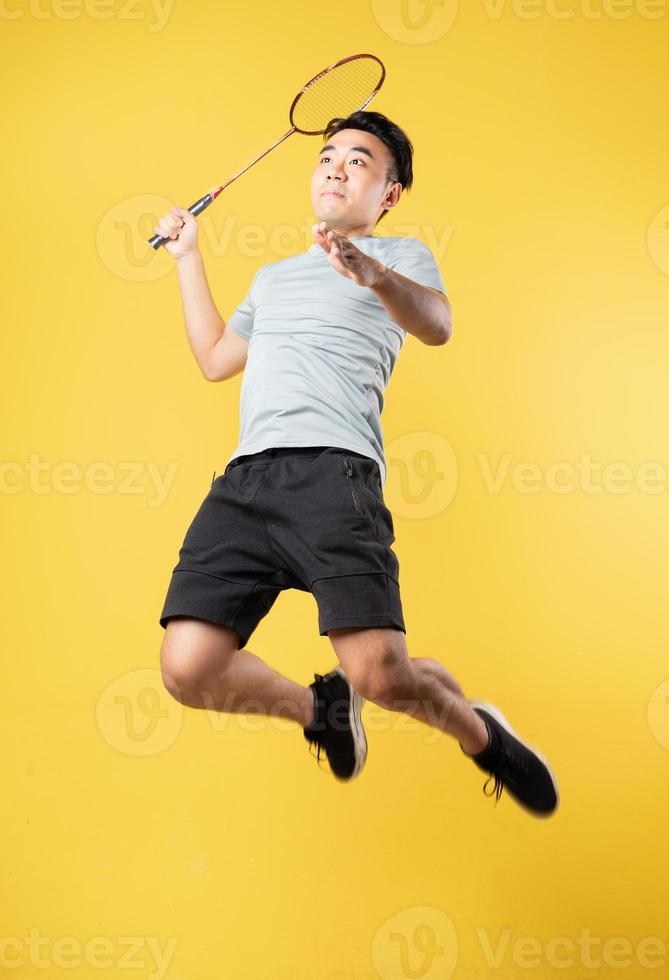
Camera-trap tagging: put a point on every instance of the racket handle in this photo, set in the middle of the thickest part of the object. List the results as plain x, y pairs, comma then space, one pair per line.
194, 209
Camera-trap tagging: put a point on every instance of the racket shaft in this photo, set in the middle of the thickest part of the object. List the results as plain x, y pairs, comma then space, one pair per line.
205, 201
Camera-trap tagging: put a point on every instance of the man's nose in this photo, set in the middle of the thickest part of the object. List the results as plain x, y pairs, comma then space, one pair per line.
337, 173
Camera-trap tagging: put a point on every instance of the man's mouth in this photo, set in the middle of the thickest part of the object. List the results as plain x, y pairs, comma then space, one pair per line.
331, 193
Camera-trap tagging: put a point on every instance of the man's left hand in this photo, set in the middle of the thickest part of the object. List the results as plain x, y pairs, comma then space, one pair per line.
346, 258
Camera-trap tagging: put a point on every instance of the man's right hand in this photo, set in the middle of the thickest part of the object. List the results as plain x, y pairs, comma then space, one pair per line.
180, 227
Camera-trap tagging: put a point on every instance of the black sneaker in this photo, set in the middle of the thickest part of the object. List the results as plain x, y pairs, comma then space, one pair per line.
514, 765
337, 725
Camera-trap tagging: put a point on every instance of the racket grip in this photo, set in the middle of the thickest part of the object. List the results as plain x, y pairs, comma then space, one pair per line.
194, 209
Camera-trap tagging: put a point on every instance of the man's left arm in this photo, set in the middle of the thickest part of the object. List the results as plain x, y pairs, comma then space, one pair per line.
421, 310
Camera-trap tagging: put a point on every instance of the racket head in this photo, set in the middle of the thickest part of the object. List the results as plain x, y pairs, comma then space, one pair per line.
346, 86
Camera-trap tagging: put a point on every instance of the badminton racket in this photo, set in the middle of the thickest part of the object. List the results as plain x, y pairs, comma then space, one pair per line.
345, 87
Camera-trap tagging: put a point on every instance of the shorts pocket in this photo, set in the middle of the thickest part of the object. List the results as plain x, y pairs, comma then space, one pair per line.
361, 499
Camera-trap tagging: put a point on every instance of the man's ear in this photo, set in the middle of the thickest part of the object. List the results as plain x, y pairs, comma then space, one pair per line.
393, 195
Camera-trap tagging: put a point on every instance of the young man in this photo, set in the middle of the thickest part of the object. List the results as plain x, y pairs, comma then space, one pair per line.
300, 504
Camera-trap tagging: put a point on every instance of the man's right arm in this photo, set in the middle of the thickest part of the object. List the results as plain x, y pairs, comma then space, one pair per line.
220, 353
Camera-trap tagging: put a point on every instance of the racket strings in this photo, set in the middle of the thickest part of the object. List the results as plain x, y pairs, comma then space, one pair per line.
337, 93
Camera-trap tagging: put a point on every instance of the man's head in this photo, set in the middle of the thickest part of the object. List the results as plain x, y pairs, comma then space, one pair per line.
367, 162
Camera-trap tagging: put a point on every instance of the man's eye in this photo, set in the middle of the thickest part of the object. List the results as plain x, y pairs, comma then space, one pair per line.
358, 159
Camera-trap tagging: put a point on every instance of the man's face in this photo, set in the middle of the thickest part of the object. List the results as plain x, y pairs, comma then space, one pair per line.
349, 185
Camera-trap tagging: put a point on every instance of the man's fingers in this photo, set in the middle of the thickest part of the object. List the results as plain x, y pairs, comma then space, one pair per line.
170, 225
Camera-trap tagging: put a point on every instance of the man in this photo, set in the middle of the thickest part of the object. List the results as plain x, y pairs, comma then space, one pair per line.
300, 504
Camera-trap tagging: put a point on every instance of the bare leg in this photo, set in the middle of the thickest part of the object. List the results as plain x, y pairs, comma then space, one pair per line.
441, 703
248, 678
202, 669
379, 667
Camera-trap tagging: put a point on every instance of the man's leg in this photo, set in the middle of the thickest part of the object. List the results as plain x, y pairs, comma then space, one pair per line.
378, 665
202, 668
380, 669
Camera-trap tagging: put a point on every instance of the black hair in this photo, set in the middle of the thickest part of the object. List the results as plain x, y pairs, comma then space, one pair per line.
394, 138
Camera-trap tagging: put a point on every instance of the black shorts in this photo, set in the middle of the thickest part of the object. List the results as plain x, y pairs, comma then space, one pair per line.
308, 518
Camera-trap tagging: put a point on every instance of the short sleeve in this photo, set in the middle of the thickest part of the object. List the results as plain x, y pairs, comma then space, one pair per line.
241, 320
413, 259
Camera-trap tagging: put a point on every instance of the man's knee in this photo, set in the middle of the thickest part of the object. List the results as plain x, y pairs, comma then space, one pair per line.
193, 652
383, 678
386, 688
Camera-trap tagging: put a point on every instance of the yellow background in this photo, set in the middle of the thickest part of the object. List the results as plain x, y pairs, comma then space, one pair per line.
541, 166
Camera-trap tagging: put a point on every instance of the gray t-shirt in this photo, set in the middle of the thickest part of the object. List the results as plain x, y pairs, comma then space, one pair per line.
322, 350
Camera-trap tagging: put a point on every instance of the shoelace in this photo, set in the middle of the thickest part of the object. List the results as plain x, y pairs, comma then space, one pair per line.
497, 788
313, 741
508, 765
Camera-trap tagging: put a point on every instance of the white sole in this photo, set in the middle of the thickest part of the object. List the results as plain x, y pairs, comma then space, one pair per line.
355, 721
497, 714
